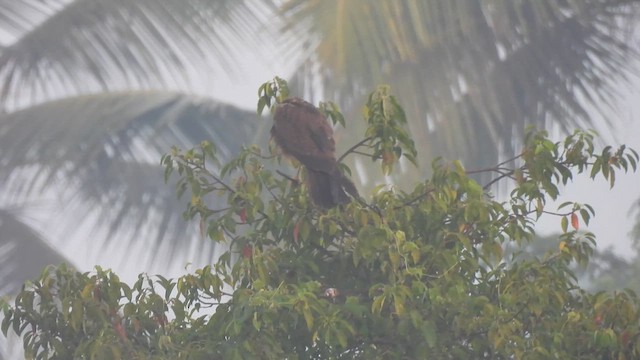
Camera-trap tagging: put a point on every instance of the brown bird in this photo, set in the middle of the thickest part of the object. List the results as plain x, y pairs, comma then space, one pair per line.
303, 133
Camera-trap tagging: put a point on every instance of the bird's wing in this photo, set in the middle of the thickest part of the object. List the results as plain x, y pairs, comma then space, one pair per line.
322, 136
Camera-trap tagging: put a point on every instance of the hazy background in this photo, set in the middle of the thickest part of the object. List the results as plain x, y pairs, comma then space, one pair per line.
93, 92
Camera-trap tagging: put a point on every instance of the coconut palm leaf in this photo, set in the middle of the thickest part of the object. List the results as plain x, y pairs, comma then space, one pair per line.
100, 155
130, 204
471, 74
61, 48
76, 133
23, 252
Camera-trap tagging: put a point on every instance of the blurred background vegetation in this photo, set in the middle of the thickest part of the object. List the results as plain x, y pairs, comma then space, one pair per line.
93, 92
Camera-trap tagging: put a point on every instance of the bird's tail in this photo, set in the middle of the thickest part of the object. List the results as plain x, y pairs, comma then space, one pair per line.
330, 189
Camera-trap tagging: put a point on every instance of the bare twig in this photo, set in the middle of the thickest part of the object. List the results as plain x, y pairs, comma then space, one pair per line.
497, 169
511, 159
502, 176
214, 177
362, 153
352, 149
293, 180
419, 197
264, 157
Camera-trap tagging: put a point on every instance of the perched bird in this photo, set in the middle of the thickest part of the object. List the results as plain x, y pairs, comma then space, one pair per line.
303, 133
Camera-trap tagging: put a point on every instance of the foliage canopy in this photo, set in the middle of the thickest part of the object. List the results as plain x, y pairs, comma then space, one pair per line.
407, 274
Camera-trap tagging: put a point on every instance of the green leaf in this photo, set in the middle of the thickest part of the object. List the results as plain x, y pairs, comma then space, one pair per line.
257, 324
612, 179
377, 304
342, 338
308, 316
6, 321
430, 334
585, 216
77, 314
399, 305
261, 105
564, 224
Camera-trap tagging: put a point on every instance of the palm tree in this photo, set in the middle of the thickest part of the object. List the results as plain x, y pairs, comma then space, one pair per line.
93, 92
471, 74
106, 157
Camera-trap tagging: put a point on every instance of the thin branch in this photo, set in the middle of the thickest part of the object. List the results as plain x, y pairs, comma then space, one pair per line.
227, 187
553, 213
502, 176
511, 159
293, 180
213, 212
444, 273
264, 157
274, 196
214, 177
352, 149
419, 197
496, 168
362, 153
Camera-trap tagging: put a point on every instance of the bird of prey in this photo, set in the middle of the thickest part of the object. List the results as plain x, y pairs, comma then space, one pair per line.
303, 133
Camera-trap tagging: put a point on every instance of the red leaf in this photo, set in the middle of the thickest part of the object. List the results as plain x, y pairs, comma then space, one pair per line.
574, 221
97, 293
598, 319
136, 326
161, 319
625, 337
296, 231
247, 251
243, 215
119, 329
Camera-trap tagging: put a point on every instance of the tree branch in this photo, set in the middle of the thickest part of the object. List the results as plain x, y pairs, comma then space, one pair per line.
352, 149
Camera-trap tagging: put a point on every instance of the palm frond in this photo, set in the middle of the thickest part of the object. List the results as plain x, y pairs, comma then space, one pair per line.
126, 205
100, 154
76, 133
23, 252
18, 17
471, 74
69, 48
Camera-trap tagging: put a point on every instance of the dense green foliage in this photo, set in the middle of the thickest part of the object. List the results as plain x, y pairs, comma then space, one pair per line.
400, 274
